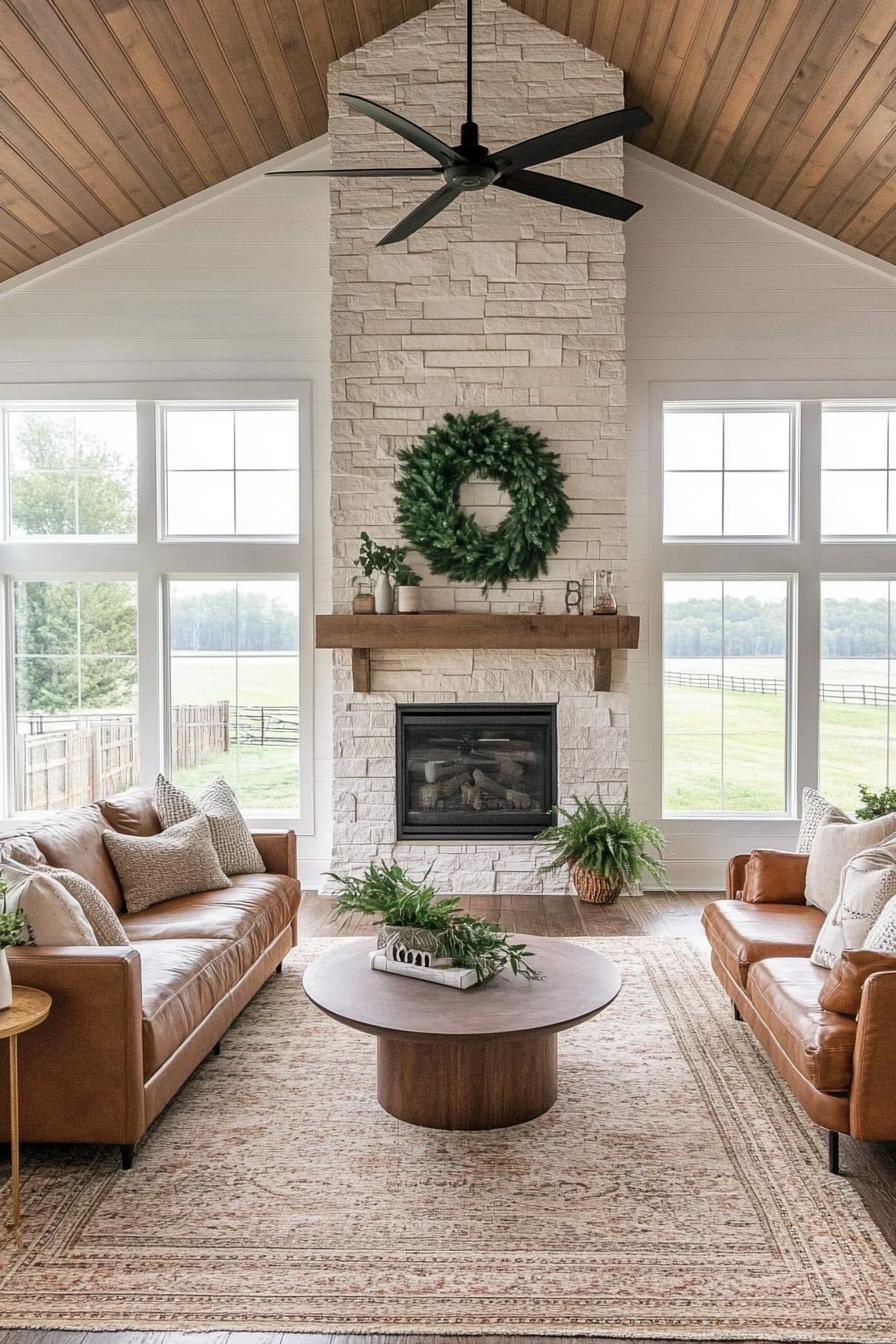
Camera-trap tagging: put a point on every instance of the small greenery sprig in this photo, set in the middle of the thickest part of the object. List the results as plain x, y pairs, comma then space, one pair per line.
388, 895
405, 577
604, 839
875, 804
376, 559
13, 927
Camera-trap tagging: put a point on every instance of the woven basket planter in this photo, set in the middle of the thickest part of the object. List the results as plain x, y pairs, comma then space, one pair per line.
592, 887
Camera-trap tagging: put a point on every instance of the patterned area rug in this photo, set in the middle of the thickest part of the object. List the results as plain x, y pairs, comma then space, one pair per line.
674, 1191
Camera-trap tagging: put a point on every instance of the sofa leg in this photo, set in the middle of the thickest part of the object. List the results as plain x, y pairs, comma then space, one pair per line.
737, 1015
833, 1152
280, 968
127, 1156
216, 1048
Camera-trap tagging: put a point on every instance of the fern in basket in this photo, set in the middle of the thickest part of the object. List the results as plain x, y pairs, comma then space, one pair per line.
604, 848
388, 895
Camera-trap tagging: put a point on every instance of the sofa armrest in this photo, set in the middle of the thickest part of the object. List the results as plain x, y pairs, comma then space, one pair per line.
872, 1102
81, 1071
278, 849
734, 877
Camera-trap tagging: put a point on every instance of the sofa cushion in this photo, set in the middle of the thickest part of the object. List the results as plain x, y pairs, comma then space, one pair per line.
742, 934
784, 993
775, 877
231, 836
184, 979
814, 808
842, 990
176, 862
74, 839
251, 914
131, 813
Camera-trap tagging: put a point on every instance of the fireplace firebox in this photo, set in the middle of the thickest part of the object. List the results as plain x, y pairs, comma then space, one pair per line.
468, 772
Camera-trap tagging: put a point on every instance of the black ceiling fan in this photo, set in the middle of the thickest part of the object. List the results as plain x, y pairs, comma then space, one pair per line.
469, 166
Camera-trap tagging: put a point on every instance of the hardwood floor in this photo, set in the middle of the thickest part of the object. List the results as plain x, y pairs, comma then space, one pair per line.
870, 1167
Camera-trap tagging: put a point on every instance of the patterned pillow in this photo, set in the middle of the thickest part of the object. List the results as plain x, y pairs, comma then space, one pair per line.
54, 918
231, 836
813, 809
21, 849
882, 937
97, 910
177, 862
867, 883
835, 845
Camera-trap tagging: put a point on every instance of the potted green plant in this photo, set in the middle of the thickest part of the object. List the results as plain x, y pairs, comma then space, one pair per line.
13, 933
875, 804
604, 849
383, 562
407, 588
416, 914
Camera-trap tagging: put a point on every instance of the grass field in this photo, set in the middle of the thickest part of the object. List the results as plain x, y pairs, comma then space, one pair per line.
263, 777
750, 776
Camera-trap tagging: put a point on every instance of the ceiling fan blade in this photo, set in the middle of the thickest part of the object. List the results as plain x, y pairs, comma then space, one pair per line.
420, 215
430, 144
574, 194
570, 139
354, 172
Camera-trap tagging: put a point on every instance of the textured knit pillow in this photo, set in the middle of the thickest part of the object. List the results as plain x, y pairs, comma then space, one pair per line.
54, 918
867, 883
154, 868
813, 810
97, 911
835, 844
882, 936
231, 836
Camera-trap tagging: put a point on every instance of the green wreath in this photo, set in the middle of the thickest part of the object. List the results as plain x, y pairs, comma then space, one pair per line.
486, 447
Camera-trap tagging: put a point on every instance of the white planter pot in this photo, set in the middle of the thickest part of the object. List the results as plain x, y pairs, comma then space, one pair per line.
383, 595
408, 597
5, 981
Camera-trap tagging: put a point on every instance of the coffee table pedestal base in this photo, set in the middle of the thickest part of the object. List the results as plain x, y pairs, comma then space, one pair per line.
467, 1084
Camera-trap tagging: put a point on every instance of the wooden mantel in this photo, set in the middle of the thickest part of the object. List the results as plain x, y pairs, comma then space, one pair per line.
476, 630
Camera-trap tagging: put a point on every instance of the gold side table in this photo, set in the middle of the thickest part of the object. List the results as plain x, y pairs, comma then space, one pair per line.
28, 1009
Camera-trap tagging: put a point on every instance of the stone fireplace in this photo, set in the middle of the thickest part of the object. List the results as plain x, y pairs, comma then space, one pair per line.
500, 303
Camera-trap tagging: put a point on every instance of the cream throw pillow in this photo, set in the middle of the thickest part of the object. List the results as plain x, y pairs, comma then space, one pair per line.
814, 808
836, 843
231, 836
177, 862
55, 919
867, 883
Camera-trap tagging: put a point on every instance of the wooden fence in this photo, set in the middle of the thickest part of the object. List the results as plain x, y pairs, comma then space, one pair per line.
64, 760
832, 693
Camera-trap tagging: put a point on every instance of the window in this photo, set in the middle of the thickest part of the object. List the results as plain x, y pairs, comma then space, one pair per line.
770, 680
231, 472
858, 481
72, 472
75, 691
727, 471
183, 647
857, 689
234, 677
725, 695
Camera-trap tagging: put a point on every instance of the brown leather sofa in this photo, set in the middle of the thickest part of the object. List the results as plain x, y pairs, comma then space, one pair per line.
130, 1024
841, 1069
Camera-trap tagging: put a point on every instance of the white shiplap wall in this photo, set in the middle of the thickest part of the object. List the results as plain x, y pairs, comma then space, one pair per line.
230, 290
739, 301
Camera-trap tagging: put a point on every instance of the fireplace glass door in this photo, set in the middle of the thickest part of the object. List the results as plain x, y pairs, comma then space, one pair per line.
486, 771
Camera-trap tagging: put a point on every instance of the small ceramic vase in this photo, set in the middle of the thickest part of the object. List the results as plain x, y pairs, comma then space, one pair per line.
5, 981
383, 595
408, 597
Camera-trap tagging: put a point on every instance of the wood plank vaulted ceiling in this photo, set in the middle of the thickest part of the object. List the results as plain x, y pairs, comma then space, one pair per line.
111, 109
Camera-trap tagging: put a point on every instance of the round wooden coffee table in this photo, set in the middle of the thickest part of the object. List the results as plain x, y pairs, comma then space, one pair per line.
478, 1058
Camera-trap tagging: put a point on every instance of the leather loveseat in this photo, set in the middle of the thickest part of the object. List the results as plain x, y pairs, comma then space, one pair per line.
841, 1069
130, 1024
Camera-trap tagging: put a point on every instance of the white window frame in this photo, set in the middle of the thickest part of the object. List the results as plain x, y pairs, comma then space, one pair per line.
889, 471
809, 559
720, 407
151, 559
